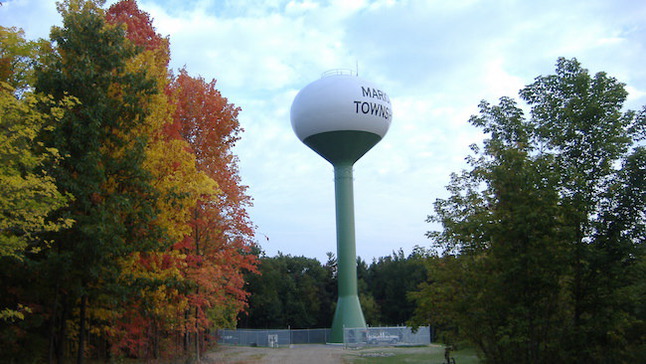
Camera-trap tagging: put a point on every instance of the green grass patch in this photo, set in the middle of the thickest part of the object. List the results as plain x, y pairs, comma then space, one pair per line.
432, 354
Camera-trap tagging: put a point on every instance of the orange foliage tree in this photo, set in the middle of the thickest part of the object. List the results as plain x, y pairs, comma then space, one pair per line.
219, 247
203, 208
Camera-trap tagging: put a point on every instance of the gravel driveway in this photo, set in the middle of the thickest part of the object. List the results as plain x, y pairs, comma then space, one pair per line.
309, 354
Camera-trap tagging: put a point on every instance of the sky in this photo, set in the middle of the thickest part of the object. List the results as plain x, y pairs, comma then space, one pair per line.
436, 60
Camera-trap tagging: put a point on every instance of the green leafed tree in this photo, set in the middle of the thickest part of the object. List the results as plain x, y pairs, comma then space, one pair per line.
103, 152
387, 281
17, 58
541, 263
28, 194
288, 292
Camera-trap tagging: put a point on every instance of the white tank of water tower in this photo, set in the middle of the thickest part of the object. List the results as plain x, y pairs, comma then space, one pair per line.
341, 102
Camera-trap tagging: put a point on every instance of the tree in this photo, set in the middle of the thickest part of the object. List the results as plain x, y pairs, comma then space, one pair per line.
103, 163
158, 300
369, 306
28, 195
301, 293
580, 122
389, 280
139, 29
17, 58
288, 292
529, 237
221, 241
202, 203
617, 266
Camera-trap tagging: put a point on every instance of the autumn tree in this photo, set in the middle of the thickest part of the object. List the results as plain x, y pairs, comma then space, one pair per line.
179, 182
103, 161
540, 265
221, 240
154, 276
204, 204
141, 162
28, 195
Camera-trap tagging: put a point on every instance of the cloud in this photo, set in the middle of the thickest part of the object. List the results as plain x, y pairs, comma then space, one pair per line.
22, 14
258, 49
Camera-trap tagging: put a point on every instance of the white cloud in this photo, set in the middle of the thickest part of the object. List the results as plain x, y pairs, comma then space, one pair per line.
255, 50
33, 16
300, 7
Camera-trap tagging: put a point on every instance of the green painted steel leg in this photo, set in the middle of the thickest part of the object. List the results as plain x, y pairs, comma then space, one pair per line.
348, 309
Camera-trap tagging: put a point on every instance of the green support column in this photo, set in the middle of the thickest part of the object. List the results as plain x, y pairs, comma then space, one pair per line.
348, 309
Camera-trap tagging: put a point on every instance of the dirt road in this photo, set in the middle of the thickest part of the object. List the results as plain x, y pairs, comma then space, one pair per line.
309, 354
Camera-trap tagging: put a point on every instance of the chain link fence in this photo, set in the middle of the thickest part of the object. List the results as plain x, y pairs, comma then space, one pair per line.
387, 336
272, 338
371, 336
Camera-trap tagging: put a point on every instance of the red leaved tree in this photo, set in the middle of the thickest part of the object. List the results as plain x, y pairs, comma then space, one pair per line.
219, 247
212, 230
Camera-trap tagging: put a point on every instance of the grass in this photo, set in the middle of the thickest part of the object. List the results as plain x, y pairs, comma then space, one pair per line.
433, 354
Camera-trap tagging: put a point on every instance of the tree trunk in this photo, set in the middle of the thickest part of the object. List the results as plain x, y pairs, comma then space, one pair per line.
81, 349
187, 333
155, 339
52, 327
197, 337
197, 292
62, 335
578, 280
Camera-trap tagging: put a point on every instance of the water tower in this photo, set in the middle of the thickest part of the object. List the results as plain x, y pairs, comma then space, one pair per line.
341, 117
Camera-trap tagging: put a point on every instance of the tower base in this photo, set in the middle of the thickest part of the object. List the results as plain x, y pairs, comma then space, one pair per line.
348, 314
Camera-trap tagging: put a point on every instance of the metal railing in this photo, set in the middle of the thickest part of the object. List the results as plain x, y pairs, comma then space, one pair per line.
339, 71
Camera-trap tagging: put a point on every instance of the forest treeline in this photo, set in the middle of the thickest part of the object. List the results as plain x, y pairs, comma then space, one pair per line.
123, 221
299, 292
